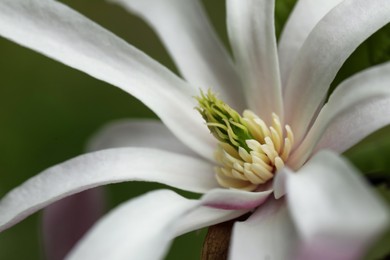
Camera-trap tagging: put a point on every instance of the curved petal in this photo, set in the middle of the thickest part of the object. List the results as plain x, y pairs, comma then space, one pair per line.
190, 39
330, 43
355, 124
67, 220
268, 234
305, 15
359, 106
252, 35
137, 133
205, 216
104, 167
57, 31
234, 199
334, 209
142, 228
279, 183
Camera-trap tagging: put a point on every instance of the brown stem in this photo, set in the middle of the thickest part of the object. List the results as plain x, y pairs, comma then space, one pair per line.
216, 243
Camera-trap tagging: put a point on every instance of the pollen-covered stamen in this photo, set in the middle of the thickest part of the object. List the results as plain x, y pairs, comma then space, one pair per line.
249, 151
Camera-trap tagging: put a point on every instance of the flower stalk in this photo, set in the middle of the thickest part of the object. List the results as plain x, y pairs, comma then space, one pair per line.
217, 241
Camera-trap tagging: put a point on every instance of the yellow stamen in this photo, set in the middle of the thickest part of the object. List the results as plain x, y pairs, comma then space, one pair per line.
249, 151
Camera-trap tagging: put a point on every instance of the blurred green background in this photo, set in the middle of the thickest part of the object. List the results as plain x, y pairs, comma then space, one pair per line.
48, 111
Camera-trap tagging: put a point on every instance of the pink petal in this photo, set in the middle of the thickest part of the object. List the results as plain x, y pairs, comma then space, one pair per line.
142, 228
66, 221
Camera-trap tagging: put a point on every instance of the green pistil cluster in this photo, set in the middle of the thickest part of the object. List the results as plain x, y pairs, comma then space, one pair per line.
223, 122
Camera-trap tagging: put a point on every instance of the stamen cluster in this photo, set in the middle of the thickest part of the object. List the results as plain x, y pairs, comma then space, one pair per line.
249, 151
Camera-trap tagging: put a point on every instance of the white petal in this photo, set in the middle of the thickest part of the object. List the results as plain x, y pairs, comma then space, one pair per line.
220, 205
137, 133
187, 33
334, 209
234, 199
330, 43
359, 106
305, 15
268, 234
356, 124
142, 228
55, 30
104, 167
205, 216
252, 35
67, 220
279, 183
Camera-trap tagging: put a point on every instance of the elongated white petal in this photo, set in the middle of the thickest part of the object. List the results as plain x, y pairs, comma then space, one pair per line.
334, 209
305, 15
334, 38
104, 167
191, 217
190, 39
137, 133
355, 124
234, 199
252, 35
359, 106
138, 229
67, 220
205, 216
55, 30
268, 234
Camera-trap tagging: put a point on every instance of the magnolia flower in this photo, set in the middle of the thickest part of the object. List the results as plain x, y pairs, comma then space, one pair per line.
304, 204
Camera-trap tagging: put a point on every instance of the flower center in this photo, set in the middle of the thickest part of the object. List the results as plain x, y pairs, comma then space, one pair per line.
249, 152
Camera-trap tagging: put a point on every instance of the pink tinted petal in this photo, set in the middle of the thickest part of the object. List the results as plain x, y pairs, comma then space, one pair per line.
142, 228
234, 199
205, 216
100, 168
189, 37
268, 234
327, 47
66, 221
319, 250
305, 15
252, 35
335, 211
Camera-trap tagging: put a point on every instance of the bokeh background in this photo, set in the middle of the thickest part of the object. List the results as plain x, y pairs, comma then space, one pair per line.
48, 111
